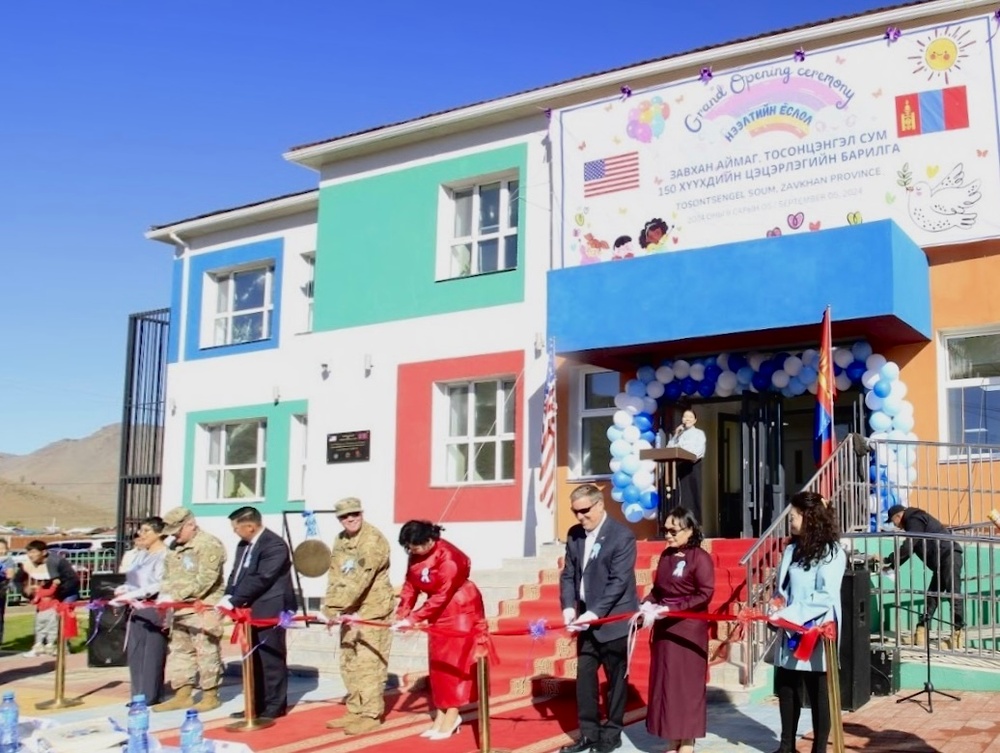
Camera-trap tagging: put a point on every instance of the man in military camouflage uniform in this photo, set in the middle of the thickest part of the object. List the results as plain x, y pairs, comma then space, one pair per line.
192, 571
358, 587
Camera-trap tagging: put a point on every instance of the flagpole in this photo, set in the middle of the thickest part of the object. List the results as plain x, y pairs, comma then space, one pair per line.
555, 441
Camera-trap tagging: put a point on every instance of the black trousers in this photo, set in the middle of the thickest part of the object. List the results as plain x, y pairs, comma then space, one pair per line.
270, 671
591, 655
947, 579
147, 653
788, 686
3, 607
689, 487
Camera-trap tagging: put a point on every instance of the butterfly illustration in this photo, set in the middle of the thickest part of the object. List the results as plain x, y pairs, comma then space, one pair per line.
854, 218
981, 152
607, 107
658, 181
679, 99
617, 140
622, 210
877, 93
890, 198
582, 145
840, 59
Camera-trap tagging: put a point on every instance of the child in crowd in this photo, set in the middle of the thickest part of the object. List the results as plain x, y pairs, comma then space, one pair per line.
43, 596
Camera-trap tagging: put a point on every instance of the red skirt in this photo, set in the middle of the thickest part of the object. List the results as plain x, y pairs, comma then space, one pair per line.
452, 660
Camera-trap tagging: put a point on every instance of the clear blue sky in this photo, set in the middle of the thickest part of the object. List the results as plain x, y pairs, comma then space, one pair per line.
116, 116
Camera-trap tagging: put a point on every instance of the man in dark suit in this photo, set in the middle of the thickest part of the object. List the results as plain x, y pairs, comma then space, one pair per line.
261, 579
598, 580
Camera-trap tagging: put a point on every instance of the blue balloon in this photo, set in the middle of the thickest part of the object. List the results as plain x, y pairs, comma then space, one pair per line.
649, 500
635, 388
712, 372
672, 391
621, 479
706, 388
808, 375
795, 386
643, 422
856, 370
769, 367
882, 388
631, 493
837, 369
616, 494
744, 374
646, 374
736, 361
780, 359
861, 350
761, 381
648, 436
688, 385
872, 473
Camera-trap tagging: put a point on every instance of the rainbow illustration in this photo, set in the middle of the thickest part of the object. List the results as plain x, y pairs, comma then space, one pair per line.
768, 106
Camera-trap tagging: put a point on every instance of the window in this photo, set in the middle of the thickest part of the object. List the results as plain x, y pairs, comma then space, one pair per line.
596, 405
479, 442
972, 388
236, 461
297, 458
243, 306
308, 288
483, 228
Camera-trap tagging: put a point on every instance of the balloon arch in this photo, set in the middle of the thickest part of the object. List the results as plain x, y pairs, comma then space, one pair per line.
730, 374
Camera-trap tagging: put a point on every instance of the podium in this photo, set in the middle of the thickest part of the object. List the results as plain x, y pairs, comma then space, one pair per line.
666, 459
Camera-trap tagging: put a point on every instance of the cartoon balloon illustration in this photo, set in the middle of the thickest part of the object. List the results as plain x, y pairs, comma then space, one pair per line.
647, 120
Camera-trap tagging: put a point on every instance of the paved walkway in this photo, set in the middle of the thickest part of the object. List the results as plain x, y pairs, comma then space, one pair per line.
971, 725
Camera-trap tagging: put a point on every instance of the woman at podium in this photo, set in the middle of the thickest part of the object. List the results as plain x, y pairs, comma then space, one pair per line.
689, 437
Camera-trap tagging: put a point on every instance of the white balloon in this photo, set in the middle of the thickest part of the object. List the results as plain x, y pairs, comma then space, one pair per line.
903, 422
649, 405
792, 366
681, 369
665, 375
755, 360
643, 444
655, 389
870, 379
727, 380
890, 371
622, 419
647, 465
879, 421
620, 448
873, 401
810, 357
616, 465
621, 400
722, 361
911, 475
905, 407
722, 391
780, 379
898, 389
875, 361
813, 387
634, 405
649, 514
890, 405
895, 435
642, 479
843, 382
879, 435
631, 433
843, 357
697, 371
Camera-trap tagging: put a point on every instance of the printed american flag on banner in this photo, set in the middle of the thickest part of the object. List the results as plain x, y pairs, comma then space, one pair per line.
547, 472
611, 174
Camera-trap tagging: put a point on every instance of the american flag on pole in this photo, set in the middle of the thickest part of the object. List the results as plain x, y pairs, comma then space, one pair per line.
547, 471
611, 174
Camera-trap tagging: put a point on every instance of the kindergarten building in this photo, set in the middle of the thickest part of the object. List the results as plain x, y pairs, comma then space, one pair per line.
674, 231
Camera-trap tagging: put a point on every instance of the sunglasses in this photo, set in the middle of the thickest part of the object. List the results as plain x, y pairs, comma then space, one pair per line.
674, 531
348, 515
583, 510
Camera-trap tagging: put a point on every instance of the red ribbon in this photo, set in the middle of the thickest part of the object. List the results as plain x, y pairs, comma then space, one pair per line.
67, 614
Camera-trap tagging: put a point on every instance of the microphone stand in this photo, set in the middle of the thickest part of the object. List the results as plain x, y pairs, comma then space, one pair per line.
928, 685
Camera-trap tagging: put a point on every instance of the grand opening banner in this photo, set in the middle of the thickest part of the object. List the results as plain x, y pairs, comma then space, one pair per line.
889, 128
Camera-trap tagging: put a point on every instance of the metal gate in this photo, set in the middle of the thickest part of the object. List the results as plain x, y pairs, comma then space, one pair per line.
142, 422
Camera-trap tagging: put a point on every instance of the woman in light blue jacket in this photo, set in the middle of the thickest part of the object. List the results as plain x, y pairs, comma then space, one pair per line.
809, 576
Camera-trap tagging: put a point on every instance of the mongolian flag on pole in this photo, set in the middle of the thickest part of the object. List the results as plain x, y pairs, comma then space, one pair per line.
826, 391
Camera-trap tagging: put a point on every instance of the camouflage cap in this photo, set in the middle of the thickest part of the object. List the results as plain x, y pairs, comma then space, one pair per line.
174, 519
347, 506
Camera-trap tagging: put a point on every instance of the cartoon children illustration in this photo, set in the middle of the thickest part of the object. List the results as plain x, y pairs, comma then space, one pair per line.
594, 250
655, 236
623, 248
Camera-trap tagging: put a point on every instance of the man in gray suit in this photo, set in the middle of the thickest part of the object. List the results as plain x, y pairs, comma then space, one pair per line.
598, 580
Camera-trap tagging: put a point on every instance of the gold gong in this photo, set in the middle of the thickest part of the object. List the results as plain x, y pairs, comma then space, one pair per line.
312, 558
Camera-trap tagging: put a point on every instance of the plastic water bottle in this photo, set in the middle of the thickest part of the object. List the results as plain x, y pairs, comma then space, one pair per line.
9, 717
191, 733
138, 725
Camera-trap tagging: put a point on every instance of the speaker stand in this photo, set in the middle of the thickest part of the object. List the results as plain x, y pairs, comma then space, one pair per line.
928, 685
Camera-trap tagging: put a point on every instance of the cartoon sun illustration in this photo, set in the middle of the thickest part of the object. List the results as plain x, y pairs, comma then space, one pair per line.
943, 52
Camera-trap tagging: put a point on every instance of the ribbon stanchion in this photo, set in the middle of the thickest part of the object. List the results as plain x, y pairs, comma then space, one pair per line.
61, 701
483, 686
250, 721
833, 692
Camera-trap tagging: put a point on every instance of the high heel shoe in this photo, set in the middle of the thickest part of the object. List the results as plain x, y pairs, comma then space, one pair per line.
445, 735
428, 732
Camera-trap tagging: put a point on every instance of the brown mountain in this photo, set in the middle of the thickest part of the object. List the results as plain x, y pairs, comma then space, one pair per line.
74, 481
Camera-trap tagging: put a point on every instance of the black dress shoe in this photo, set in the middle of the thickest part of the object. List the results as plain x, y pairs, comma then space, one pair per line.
580, 746
606, 746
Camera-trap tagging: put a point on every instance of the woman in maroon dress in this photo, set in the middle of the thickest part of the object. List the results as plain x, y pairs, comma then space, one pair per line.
455, 607
685, 582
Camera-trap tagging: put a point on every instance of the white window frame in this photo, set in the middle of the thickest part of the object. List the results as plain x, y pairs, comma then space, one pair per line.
446, 225
947, 383
577, 397
210, 490
441, 407
298, 455
211, 315
308, 287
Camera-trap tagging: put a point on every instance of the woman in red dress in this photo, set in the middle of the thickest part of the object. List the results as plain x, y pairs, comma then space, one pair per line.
455, 607
685, 582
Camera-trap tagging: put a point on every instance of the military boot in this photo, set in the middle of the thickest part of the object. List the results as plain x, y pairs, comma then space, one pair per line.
958, 639
181, 700
342, 721
920, 636
362, 725
209, 700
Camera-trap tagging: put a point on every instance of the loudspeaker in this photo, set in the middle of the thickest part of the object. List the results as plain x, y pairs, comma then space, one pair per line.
107, 647
855, 640
885, 671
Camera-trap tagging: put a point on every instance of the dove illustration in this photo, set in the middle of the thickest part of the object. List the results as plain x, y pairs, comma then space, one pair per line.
944, 205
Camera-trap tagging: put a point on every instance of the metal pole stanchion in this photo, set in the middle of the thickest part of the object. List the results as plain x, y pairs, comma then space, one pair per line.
60, 701
483, 685
250, 722
833, 692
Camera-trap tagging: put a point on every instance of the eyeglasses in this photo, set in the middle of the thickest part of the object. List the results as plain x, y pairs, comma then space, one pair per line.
349, 515
583, 510
674, 531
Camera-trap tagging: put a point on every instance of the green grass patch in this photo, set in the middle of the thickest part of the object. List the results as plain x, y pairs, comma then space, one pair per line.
19, 632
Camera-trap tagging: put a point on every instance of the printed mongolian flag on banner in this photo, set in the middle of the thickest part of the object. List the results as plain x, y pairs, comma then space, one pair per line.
932, 111
826, 391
